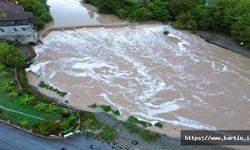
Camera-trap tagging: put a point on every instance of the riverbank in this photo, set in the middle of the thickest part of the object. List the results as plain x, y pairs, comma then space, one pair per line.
224, 42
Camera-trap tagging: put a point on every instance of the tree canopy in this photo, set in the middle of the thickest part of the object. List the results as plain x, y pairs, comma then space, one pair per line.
227, 16
10, 56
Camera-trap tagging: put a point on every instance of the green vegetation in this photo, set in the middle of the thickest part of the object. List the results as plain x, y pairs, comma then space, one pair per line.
44, 85
135, 120
107, 134
92, 126
40, 11
159, 125
23, 106
231, 17
107, 108
144, 134
89, 121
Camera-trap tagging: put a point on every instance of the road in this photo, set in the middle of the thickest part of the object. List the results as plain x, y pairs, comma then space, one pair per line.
14, 139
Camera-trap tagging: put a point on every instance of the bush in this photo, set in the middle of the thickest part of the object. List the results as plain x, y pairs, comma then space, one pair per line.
144, 134
159, 125
65, 113
133, 119
67, 125
45, 128
40, 106
24, 123
149, 136
106, 108
107, 134
89, 121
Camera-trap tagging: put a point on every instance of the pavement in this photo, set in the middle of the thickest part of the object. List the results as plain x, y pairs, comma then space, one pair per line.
14, 139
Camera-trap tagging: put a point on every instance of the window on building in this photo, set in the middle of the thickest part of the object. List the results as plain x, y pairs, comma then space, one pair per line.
1, 29
15, 29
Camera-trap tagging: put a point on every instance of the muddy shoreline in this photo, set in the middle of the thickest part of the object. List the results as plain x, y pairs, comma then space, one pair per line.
224, 42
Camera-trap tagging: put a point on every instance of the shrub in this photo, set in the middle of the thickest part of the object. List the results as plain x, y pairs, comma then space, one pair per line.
24, 123
107, 134
40, 107
65, 113
116, 112
149, 136
13, 94
133, 119
106, 108
159, 125
89, 121
45, 128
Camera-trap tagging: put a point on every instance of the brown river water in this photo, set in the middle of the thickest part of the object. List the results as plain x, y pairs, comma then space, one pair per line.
178, 79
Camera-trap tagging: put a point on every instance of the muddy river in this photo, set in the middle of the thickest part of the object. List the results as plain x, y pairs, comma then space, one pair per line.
178, 79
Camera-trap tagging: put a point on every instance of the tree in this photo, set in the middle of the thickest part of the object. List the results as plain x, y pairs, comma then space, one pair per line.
10, 56
181, 6
159, 10
241, 29
141, 14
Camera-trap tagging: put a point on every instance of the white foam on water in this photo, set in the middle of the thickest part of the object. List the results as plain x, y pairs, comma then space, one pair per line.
132, 61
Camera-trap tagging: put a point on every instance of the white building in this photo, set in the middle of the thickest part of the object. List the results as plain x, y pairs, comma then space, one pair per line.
16, 24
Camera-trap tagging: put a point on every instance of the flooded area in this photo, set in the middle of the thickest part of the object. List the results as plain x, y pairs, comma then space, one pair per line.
178, 79
74, 12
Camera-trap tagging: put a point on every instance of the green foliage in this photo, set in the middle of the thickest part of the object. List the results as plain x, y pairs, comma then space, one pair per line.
40, 107
26, 99
89, 121
13, 94
45, 128
44, 85
159, 10
7, 85
131, 127
116, 112
107, 134
135, 120
65, 113
144, 134
141, 14
106, 108
159, 125
227, 16
149, 136
51, 108
40, 11
67, 125
10, 56
24, 122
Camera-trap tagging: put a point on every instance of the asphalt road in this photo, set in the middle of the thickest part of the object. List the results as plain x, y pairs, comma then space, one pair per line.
14, 139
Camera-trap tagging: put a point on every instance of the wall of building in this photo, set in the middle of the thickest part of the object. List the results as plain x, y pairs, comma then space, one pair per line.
24, 34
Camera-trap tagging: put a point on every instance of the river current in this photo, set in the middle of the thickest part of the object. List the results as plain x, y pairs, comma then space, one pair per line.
178, 79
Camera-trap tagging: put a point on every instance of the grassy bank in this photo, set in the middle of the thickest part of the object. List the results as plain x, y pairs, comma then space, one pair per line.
26, 110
